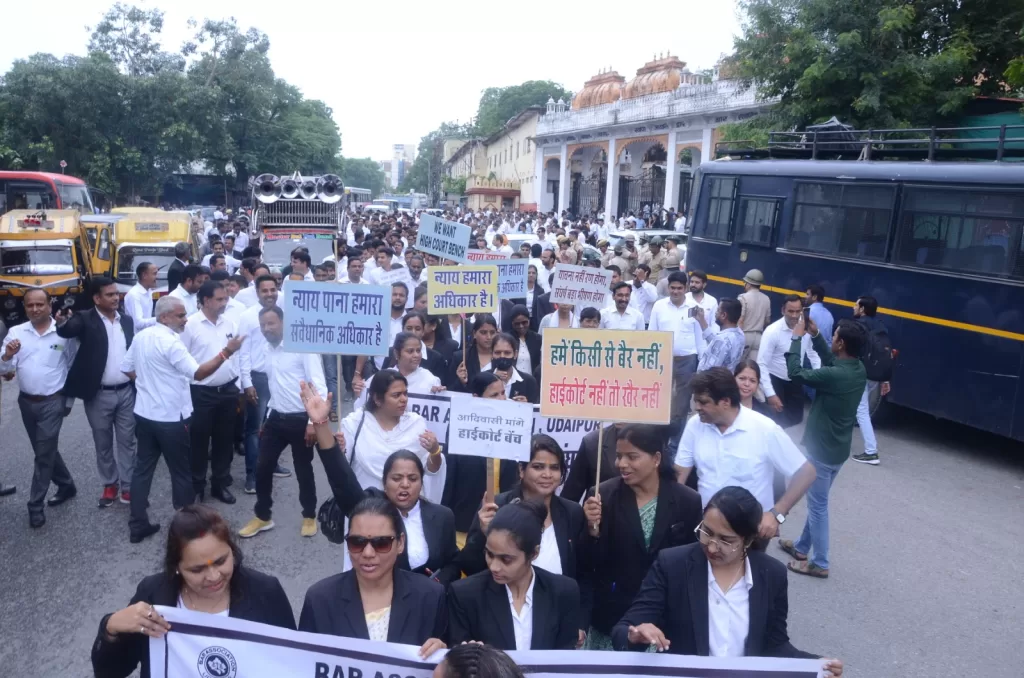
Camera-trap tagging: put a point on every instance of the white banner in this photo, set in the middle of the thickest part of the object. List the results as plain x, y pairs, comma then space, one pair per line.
484, 427
208, 646
581, 286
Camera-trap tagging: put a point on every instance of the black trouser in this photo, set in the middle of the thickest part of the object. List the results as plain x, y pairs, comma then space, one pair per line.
280, 431
348, 371
156, 438
213, 418
791, 394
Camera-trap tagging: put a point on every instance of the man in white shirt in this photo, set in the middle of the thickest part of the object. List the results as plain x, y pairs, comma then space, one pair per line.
621, 316
230, 263
784, 396
286, 425
233, 310
41, 359
384, 258
138, 302
162, 369
671, 314
241, 237
192, 279
547, 259
644, 293
302, 263
354, 272
698, 297
399, 295
248, 296
731, 445
215, 397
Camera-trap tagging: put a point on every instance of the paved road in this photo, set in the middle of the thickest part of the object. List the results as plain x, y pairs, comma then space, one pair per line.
927, 557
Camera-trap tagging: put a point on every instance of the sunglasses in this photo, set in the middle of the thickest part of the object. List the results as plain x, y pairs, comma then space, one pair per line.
379, 544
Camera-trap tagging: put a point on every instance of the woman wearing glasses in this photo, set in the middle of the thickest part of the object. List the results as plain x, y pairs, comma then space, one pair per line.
529, 342
375, 600
716, 598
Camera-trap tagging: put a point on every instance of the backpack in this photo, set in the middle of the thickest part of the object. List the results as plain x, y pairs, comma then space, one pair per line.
877, 358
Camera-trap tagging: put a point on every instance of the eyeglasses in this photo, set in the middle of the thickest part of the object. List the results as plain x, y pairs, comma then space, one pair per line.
379, 544
707, 539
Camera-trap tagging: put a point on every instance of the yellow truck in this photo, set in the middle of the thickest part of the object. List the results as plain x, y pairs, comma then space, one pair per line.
148, 236
45, 250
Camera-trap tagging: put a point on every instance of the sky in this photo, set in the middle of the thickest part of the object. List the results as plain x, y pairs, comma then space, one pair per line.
393, 71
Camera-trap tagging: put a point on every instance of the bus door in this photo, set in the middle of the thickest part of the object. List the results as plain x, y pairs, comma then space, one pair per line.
102, 252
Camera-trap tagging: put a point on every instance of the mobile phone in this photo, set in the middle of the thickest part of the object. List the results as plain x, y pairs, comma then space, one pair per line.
693, 310
807, 314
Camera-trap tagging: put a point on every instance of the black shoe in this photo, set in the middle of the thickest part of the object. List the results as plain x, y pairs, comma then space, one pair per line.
223, 494
147, 531
6, 490
61, 496
200, 495
239, 450
36, 520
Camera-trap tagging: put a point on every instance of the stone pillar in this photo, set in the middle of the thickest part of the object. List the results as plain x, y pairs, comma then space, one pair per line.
611, 191
538, 176
707, 150
564, 175
672, 172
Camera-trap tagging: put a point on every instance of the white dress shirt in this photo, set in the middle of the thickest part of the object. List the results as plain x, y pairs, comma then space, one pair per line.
421, 381
233, 311
396, 327
163, 369
189, 300
241, 241
117, 347
643, 298
415, 538
230, 263
252, 357
524, 361
729, 615
551, 320
138, 305
284, 372
248, 296
347, 281
522, 621
771, 356
512, 380
375, 445
632, 319
43, 360
549, 558
687, 336
204, 339
747, 455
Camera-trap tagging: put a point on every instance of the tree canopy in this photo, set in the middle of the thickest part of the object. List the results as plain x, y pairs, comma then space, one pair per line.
130, 115
878, 63
363, 173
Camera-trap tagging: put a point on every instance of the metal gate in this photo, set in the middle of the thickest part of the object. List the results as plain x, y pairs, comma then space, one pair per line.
587, 196
647, 190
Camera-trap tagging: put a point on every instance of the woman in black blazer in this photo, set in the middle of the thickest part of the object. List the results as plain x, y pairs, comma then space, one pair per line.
478, 354
434, 362
671, 611
433, 339
203, 573
519, 386
376, 600
479, 607
528, 341
635, 516
429, 528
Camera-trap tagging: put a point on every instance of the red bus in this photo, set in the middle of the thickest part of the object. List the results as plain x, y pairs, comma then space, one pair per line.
43, 190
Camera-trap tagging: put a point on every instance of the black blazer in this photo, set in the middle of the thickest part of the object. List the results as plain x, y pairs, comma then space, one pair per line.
452, 382
260, 599
674, 597
447, 348
618, 559
87, 370
533, 343
478, 609
466, 482
541, 307
418, 611
527, 387
583, 471
438, 521
174, 272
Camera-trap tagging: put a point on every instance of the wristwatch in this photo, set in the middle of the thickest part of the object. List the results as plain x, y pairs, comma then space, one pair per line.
778, 516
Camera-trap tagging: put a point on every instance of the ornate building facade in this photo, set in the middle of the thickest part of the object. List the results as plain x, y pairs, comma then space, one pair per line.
657, 128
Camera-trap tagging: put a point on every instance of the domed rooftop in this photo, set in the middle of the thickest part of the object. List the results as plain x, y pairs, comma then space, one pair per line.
662, 74
603, 88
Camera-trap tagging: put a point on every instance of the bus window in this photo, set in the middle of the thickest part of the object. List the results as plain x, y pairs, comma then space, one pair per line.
3, 197
842, 219
75, 197
721, 198
757, 219
957, 230
30, 195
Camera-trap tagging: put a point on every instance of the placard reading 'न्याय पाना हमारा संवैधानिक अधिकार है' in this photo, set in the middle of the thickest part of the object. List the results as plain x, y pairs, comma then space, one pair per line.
326, 317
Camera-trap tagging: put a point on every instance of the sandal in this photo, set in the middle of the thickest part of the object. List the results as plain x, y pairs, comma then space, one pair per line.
810, 569
788, 546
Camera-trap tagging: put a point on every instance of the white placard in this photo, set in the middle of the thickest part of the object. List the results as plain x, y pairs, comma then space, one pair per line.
485, 427
581, 286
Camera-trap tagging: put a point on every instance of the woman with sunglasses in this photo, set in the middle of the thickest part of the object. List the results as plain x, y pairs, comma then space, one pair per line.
513, 605
375, 600
202, 572
477, 355
635, 515
415, 323
742, 604
519, 386
528, 342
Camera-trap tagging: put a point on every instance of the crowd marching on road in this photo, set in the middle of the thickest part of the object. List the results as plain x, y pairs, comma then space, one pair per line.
670, 554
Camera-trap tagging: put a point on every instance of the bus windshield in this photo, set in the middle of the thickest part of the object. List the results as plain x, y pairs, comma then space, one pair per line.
75, 197
130, 256
36, 261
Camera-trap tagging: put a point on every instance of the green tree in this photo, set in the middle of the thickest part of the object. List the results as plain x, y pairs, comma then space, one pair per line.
876, 63
130, 36
363, 173
499, 104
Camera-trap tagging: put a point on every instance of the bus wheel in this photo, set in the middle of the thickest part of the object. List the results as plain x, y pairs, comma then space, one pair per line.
878, 407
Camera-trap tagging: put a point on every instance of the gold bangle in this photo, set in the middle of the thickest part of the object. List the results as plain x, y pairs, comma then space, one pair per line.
436, 451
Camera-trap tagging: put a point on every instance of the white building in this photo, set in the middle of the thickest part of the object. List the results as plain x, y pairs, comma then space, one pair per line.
647, 125
402, 157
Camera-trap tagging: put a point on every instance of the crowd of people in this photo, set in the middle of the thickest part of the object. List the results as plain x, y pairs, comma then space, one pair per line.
683, 518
